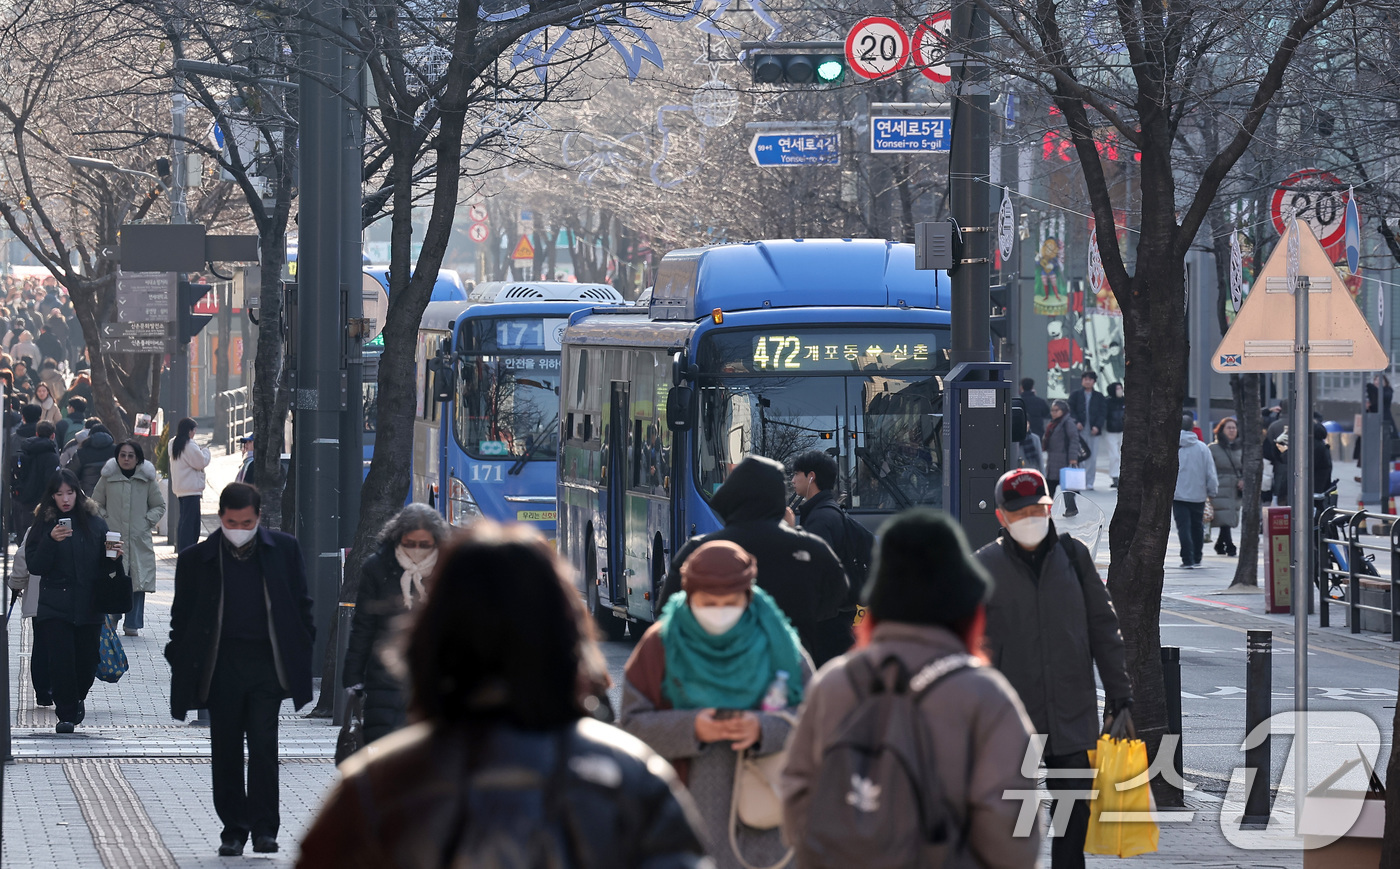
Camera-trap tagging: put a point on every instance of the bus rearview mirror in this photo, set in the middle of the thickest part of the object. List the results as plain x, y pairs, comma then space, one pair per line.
678, 402
444, 382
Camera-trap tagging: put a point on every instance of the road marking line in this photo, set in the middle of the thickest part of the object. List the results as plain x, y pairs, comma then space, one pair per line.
1317, 649
1215, 602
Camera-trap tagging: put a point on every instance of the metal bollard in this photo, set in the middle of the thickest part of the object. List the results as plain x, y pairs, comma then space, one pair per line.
1171, 678
345, 614
1259, 689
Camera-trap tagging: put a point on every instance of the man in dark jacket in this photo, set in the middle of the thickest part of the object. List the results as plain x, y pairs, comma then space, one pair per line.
1037, 409
1090, 411
797, 568
240, 642
814, 476
87, 462
73, 422
1050, 621
38, 461
28, 427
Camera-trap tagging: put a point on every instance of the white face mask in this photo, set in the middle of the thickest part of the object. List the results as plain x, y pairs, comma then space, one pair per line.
718, 620
1029, 531
240, 536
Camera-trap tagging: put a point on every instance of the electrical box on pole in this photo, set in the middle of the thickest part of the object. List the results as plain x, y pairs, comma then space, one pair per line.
977, 410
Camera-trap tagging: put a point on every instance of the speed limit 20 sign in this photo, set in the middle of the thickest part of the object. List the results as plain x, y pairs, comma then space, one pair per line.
877, 47
1319, 197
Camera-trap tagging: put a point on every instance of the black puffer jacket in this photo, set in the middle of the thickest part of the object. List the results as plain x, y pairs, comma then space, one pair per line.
71, 567
797, 568
87, 462
38, 461
432, 796
378, 604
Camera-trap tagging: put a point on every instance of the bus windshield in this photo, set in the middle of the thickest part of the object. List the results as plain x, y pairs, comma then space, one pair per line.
879, 416
508, 401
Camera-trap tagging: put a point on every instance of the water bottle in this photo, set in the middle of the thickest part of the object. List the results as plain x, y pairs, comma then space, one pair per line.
777, 697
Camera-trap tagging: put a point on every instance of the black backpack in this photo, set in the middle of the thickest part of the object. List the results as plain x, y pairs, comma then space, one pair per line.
878, 799
857, 550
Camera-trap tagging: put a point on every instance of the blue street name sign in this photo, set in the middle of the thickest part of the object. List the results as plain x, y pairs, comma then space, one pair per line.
796, 149
901, 134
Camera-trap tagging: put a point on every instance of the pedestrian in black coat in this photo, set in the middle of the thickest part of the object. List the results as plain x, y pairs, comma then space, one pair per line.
240, 643
90, 458
814, 477
391, 583
38, 459
67, 547
1037, 409
797, 568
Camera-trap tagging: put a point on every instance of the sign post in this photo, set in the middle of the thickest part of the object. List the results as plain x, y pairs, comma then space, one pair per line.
796, 149
904, 134
1300, 444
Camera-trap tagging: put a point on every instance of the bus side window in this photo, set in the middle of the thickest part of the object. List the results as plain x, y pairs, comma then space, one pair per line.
637, 448
569, 427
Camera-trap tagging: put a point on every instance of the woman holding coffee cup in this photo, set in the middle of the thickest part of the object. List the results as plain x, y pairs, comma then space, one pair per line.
128, 496
68, 547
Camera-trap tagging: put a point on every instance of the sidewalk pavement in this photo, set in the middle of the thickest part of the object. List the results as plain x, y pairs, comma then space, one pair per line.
131, 788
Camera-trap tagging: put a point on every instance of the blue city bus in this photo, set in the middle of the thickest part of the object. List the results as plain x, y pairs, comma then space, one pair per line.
486, 434
769, 348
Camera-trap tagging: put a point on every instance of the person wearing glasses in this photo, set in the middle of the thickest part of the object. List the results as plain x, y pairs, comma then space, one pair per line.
392, 582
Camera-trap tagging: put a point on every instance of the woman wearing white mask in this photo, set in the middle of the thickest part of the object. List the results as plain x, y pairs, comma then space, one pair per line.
391, 583
713, 678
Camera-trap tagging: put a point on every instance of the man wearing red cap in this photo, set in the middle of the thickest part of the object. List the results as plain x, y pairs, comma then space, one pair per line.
1050, 622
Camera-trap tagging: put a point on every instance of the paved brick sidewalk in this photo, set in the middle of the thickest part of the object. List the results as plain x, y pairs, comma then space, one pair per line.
131, 788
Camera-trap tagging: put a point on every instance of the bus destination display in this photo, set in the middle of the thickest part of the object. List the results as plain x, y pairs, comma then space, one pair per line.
518, 335
827, 350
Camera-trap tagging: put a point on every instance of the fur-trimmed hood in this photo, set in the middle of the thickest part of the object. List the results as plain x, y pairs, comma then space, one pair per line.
144, 471
48, 511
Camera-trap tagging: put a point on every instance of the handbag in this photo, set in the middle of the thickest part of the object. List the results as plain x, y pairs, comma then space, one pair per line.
1120, 818
352, 732
112, 591
1208, 514
111, 657
756, 802
1084, 451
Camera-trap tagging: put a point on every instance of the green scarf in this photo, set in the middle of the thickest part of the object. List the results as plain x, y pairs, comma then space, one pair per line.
732, 670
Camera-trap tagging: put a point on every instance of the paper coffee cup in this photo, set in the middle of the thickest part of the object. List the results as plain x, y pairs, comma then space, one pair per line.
113, 537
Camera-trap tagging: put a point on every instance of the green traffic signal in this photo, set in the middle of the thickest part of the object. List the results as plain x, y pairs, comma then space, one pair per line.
830, 70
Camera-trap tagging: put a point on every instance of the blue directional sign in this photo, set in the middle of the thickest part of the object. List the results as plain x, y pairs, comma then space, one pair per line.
902, 134
796, 149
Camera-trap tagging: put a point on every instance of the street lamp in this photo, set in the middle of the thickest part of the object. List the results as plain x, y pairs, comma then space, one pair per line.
109, 166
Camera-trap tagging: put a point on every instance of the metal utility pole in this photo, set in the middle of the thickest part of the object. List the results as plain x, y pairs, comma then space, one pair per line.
179, 399
352, 423
969, 169
1300, 447
321, 379
977, 406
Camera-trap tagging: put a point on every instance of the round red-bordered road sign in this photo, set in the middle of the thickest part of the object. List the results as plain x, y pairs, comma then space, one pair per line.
877, 47
478, 232
1320, 198
931, 47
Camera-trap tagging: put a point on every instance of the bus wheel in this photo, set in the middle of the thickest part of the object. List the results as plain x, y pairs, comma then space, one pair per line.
609, 625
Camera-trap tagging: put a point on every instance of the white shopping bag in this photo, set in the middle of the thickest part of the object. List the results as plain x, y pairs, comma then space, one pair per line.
1073, 479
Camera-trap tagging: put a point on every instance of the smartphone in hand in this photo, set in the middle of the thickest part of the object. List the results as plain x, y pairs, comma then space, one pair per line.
66, 523
726, 714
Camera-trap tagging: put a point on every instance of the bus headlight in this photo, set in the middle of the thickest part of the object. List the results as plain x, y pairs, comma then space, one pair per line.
461, 506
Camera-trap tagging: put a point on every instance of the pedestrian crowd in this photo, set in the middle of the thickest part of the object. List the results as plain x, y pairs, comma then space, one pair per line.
1210, 496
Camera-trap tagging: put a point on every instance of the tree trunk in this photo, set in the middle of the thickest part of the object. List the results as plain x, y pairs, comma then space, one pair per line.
269, 397
1155, 353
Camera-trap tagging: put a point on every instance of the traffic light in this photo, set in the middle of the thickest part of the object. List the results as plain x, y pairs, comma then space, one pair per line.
817, 63
187, 323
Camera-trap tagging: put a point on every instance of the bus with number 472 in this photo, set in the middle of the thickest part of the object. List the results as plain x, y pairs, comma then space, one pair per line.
770, 348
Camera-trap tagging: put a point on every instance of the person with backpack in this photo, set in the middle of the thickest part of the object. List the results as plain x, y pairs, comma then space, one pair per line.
814, 476
912, 719
506, 764
796, 567
92, 456
712, 686
1050, 623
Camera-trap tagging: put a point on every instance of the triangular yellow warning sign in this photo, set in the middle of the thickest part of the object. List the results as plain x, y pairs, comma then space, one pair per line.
523, 249
1261, 338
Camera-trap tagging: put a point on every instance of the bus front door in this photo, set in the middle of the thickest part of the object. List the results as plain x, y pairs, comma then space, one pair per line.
615, 468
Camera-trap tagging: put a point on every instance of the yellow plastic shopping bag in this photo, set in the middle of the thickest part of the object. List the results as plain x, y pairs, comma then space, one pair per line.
1120, 821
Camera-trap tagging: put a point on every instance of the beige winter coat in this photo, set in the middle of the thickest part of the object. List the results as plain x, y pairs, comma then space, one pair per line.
132, 507
972, 709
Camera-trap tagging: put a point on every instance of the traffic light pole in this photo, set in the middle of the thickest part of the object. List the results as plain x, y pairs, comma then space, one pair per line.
977, 401
179, 399
320, 376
